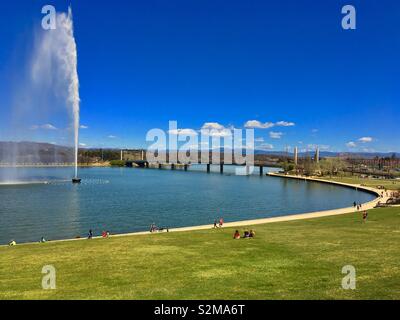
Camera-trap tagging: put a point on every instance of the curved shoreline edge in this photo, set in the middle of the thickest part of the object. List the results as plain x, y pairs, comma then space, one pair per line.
300, 216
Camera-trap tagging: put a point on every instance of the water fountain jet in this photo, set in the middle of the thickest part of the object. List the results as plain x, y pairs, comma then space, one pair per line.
46, 106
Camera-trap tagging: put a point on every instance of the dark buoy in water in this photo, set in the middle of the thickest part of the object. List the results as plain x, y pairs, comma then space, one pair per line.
76, 180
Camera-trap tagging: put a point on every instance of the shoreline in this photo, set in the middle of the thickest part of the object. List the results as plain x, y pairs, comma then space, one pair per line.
300, 216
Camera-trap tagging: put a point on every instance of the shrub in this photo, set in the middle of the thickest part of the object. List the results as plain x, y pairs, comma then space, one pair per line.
117, 163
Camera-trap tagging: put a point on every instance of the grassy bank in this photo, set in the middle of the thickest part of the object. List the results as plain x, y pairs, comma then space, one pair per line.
289, 260
374, 183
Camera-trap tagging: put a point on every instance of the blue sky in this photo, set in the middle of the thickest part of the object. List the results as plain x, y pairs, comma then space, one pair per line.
143, 63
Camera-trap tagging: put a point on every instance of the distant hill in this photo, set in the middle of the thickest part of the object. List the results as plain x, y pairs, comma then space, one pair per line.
33, 152
364, 155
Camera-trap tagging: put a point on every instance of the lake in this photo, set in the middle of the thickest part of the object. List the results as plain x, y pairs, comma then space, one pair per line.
125, 200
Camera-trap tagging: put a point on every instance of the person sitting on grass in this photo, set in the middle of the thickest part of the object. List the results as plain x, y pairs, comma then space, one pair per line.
252, 234
153, 228
12, 243
246, 234
42, 240
236, 235
365, 216
105, 234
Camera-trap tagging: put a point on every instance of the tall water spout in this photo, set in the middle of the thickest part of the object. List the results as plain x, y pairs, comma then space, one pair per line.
71, 71
57, 55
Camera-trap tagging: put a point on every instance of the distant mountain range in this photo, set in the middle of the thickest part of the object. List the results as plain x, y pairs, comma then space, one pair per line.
330, 154
34, 152
327, 154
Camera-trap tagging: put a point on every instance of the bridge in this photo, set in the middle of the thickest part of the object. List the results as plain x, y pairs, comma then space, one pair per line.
137, 158
185, 166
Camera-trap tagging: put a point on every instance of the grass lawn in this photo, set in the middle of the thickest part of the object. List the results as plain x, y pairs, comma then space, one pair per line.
288, 260
388, 184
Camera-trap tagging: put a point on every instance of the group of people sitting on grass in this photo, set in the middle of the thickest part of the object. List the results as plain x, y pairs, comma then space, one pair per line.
246, 234
14, 243
104, 234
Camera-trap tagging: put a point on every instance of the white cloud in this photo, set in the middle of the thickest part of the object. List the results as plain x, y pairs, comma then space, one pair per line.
351, 144
285, 124
111, 137
255, 124
275, 135
214, 129
365, 139
83, 127
217, 133
261, 139
212, 125
265, 146
46, 126
183, 132
82, 144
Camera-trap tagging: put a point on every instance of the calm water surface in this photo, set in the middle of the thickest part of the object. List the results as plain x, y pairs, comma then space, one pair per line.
126, 200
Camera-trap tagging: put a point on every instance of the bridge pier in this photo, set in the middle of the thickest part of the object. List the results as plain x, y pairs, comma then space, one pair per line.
185, 167
208, 168
159, 166
221, 168
261, 171
172, 166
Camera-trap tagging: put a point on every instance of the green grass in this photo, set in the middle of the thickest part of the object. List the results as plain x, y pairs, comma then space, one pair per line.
389, 184
288, 260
